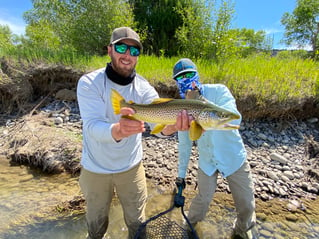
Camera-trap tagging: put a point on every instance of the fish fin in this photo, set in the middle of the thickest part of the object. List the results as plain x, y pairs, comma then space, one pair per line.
116, 100
231, 126
161, 100
158, 128
195, 131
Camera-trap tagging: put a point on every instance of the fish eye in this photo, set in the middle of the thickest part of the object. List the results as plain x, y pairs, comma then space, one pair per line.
222, 115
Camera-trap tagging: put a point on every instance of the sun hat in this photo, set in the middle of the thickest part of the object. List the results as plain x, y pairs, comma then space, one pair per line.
122, 33
183, 65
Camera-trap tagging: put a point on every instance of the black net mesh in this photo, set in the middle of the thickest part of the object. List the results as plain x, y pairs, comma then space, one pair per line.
163, 227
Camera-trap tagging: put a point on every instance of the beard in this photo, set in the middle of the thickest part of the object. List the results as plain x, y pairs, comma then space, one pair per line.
122, 69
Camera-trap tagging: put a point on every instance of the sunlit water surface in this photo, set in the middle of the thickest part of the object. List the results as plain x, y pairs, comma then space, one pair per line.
28, 198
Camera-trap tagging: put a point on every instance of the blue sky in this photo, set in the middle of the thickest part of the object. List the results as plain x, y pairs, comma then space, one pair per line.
11, 12
252, 14
263, 15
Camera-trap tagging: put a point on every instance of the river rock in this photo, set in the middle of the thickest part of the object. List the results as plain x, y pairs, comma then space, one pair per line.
279, 158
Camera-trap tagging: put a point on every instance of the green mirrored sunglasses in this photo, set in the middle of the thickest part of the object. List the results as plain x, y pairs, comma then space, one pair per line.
122, 48
185, 75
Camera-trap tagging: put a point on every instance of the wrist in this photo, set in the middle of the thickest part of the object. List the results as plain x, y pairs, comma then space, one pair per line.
116, 133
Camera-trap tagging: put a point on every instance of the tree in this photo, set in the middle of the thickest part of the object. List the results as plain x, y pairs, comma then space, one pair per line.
302, 26
158, 19
195, 35
206, 32
42, 36
225, 42
249, 41
6, 37
81, 24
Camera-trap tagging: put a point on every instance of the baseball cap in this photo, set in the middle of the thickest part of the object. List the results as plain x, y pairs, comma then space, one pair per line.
183, 65
122, 33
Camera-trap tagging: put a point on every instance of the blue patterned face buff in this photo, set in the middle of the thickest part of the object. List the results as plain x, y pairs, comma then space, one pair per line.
184, 84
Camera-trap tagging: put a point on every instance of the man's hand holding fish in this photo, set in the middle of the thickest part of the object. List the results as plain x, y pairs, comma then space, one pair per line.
127, 127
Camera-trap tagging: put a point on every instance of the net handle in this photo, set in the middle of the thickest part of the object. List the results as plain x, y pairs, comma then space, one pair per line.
179, 202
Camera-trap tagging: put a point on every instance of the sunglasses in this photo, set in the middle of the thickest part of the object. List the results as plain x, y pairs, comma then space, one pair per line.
186, 75
122, 48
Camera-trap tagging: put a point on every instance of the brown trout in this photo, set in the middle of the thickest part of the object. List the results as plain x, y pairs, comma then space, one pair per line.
164, 111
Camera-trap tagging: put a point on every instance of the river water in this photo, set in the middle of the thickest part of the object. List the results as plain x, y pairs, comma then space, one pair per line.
28, 200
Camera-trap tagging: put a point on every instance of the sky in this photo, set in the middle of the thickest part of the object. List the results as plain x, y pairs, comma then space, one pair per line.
251, 14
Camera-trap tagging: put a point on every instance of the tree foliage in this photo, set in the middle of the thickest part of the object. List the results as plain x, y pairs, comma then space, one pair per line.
192, 28
6, 37
8, 40
81, 24
248, 41
159, 20
206, 32
302, 26
225, 42
195, 34
41, 35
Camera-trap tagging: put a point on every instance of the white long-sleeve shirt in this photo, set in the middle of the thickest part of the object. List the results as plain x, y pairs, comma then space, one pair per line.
101, 153
221, 150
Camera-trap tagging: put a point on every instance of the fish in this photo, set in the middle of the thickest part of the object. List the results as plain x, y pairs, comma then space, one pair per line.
164, 111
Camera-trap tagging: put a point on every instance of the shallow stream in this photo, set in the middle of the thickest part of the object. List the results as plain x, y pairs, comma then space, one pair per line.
28, 202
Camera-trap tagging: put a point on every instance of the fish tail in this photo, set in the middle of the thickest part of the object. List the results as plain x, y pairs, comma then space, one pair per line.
117, 100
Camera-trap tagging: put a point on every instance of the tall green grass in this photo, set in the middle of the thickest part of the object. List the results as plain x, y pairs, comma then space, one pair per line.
35, 55
263, 76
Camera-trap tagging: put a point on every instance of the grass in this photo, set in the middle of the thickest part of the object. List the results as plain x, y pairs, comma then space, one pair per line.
263, 76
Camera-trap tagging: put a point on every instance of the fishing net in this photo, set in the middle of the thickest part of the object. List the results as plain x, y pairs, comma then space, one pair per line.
162, 227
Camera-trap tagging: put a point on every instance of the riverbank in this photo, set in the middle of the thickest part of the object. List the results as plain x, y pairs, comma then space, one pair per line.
283, 155
282, 152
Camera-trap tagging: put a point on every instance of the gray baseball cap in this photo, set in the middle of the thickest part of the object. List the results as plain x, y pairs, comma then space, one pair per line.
122, 33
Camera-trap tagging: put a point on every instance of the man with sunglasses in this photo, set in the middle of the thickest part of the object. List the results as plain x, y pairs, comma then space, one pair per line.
112, 146
220, 152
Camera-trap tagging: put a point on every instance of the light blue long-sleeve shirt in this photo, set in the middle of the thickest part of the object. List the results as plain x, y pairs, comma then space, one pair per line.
101, 153
221, 150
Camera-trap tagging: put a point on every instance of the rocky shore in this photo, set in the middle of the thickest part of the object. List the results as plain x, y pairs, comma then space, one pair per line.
283, 154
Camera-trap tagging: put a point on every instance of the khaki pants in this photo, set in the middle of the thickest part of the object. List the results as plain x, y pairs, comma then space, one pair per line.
242, 189
98, 190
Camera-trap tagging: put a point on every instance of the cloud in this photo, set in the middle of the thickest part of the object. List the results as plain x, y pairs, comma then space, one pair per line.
306, 47
16, 24
273, 31
278, 35
16, 27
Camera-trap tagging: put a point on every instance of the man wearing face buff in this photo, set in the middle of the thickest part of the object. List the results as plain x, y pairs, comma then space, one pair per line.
112, 148
220, 152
